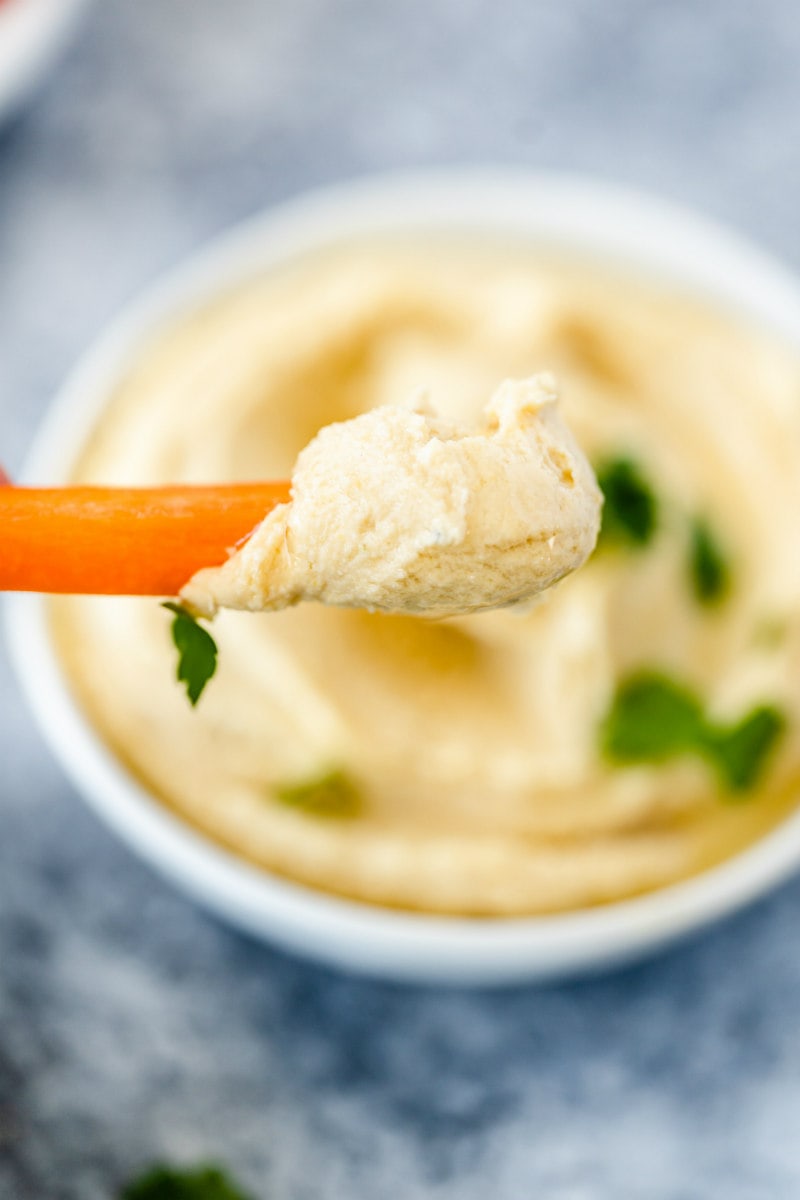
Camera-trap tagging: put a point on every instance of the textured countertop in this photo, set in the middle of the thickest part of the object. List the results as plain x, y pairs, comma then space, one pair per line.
132, 1026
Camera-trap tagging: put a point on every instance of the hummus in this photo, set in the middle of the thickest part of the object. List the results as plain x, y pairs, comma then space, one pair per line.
460, 761
400, 511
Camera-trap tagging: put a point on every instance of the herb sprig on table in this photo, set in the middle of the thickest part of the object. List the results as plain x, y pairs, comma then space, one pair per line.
197, 651
654, 718
206, 1182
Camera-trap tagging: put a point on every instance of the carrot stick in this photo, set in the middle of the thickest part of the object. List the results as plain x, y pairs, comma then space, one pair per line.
124, 541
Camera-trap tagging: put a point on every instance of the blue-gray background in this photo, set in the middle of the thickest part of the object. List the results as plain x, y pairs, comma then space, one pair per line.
134, 1028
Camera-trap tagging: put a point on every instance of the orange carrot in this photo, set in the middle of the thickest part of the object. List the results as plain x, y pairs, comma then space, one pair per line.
124, 541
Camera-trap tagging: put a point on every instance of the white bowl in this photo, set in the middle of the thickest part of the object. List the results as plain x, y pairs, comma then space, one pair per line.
32, 34
572, 213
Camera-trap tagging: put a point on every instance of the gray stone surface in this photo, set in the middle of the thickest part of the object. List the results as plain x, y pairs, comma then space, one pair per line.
132, 1027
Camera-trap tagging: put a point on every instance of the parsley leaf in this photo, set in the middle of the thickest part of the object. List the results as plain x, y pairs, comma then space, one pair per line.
709, 567
197, 651
741, 750
630, 512
654, 718
167, 1183
332, 794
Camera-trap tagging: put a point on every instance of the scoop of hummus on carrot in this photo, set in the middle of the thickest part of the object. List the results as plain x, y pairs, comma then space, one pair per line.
402, 511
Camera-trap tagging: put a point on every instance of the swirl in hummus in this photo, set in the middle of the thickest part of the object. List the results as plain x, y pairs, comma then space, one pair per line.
400, 511
457, 766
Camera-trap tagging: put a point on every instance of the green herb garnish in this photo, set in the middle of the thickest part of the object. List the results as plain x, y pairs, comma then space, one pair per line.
197, 651
740, 751
630, 511
332, 794
709, 568
167, 1183
654, 718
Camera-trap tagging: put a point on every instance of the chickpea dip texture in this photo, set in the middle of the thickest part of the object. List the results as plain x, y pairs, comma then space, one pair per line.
399, 511
456, 765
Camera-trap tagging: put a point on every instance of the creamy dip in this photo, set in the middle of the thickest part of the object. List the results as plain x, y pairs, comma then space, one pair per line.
470, 745
399, 511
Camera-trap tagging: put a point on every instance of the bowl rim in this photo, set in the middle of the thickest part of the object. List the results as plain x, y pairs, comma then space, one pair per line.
568, 212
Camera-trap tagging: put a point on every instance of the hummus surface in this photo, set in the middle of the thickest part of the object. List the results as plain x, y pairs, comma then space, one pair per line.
399, 511
476, 781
